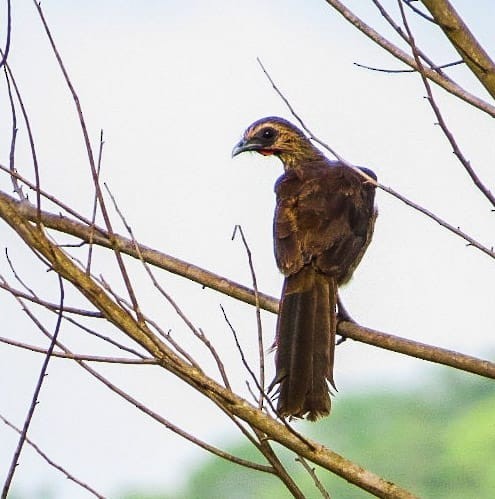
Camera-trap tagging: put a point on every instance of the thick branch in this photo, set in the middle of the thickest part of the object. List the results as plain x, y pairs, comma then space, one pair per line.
446, 83
34, 236
460, 36
243, 293
418, 350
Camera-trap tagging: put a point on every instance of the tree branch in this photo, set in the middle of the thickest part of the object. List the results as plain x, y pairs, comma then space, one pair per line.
460, 36
34, 400
455, 230
35, 237
52, 463
443, 125
443, 81
243, 293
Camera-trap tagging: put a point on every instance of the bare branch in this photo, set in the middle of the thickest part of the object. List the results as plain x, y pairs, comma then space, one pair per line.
15, 182
94, 171
238, 291
32, 145
34, 401
80, 360
311, 471
464, 42
397, 71
52, 463
261, 349
410, 4
80, 357
450, 137
197, 332
419, 350
441, 80
95, 205
35, 238
5, 52
456, 230
403, 35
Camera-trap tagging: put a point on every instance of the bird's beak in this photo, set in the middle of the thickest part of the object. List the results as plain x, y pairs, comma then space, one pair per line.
245, 145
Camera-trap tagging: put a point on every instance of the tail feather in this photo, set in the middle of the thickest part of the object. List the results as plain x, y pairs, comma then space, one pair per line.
305, 344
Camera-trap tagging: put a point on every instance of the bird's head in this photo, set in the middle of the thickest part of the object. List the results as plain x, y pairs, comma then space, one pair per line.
275, 136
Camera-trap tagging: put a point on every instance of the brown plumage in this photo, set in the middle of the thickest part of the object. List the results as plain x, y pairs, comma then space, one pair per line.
323, 223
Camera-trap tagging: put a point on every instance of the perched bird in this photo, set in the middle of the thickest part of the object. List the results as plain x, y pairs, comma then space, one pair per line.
323, 223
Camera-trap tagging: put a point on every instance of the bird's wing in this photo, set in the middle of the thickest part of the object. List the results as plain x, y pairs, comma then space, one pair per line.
323, 219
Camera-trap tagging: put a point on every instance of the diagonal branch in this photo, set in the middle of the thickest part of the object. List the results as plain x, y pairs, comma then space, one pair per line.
35, 237
404, 36
441, 80
5, 52
52, 463
34, 401
460, 36
91, 159
455, 230
240, 292
441, 121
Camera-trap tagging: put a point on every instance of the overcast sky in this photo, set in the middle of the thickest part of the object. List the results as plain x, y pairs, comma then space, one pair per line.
173, 85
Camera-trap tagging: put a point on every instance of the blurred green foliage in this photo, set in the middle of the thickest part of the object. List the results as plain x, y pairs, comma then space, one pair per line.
437, 441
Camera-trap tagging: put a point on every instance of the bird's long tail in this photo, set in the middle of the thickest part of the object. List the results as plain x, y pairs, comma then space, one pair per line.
305, 344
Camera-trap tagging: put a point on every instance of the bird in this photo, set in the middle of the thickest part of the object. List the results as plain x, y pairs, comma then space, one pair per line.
323, 223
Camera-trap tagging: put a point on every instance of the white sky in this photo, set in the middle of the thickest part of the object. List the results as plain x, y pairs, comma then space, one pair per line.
173, 85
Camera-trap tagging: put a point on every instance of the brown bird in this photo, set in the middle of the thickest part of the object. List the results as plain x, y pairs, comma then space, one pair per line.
323, 223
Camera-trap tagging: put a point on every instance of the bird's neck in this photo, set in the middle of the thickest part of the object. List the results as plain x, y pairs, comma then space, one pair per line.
301, 159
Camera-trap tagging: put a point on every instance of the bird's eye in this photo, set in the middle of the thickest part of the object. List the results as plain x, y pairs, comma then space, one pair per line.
268, 133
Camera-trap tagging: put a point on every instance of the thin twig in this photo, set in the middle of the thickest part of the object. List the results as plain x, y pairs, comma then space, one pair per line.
17, 277
409, 3
470, 240
34, 401
81, 357
241, 352
312, 473
441, 121
140, 406
5, 52
105, 338
52, 463
403, 35
95, 206
196, 331
36, 239
11, 209
261, 348
94, 172
32, 145
15, 182
47, 304
396, 71
444, 81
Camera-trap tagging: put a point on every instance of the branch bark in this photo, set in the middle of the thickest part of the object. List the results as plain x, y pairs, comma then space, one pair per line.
98, 236
460, 36
443, 81
34, 236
